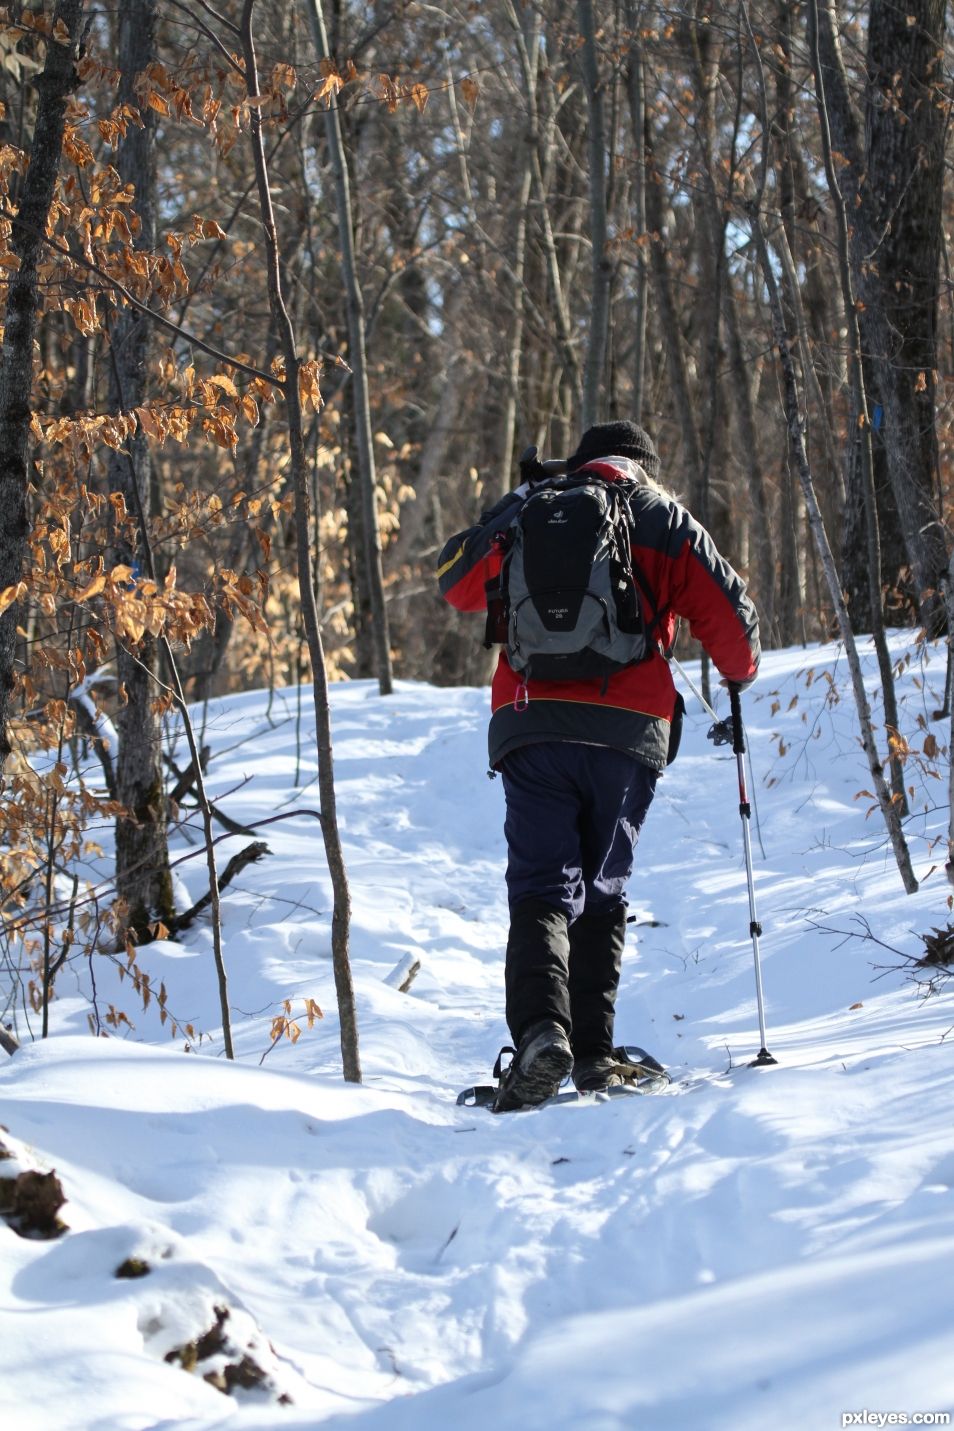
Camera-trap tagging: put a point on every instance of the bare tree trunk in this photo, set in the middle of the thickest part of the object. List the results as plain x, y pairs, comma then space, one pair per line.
907, 110
765, 542
601, 267
341, 912
55, 84
792, 294
177, 692
790, 610
675, 355
359, 577
359, 369
796, 430
912, 489
888, 806
860, 404
635, 93
714, 210
670, 326
143, 877
518, 280
540, 152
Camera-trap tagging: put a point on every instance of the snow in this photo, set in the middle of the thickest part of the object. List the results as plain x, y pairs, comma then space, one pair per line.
755, 1246
100, 723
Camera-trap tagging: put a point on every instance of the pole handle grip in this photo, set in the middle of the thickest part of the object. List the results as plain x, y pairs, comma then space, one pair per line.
735, 705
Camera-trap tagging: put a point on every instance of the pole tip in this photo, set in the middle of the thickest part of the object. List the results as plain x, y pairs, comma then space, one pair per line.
763, 1060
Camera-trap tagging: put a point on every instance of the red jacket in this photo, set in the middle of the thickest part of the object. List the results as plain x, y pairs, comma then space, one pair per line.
633, 709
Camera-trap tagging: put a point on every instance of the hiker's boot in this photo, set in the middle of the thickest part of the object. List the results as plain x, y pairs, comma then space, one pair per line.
596, 954
538, 954
596, 1074
542, 1060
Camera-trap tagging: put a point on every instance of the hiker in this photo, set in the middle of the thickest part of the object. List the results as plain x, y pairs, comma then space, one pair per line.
580, 757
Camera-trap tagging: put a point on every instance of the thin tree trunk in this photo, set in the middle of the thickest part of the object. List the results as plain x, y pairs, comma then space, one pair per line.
355, 566
765, 543
635, 93
359, 368
889, 810
539, 153
518, 281
177, 692
143, 877
670, 327
715, 209
796, 429
341, 911
54, 84
601, 267
794, 197
792, 294
790, 611
863, 432
675, 355
907, 117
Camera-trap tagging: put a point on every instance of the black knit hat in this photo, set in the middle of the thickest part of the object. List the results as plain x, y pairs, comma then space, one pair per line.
616, 439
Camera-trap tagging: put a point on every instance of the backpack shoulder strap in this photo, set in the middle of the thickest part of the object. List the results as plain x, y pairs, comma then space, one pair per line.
639, 576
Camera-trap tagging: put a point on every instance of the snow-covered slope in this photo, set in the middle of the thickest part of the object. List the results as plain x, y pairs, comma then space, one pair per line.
754, 1247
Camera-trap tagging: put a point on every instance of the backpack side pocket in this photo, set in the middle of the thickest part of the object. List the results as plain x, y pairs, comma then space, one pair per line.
495, 631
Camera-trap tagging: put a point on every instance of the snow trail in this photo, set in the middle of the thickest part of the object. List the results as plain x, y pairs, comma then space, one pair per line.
751, 1245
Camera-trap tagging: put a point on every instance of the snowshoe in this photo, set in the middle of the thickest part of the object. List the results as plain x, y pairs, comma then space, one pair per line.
636, 1066
633, 1071
536, 1069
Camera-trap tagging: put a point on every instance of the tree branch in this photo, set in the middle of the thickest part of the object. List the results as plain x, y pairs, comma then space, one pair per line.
249, 856
144, 308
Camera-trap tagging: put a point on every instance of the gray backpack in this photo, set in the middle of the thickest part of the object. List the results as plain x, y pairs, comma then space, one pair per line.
567, 587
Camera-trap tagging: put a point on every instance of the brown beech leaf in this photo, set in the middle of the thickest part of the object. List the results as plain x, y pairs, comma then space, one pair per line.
11, 594
226, 384
97, 585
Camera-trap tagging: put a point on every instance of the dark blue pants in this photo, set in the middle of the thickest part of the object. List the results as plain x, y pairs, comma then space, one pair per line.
574, 814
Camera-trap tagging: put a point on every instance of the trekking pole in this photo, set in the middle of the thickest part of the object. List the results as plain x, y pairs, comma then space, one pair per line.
763, 1057
698, 694
721, 734
723, 727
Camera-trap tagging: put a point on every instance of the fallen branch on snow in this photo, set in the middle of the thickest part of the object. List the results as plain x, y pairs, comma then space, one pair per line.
253, 852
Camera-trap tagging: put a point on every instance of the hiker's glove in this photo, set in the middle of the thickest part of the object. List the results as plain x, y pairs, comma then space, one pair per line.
739, 685
531, 471
723, 732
